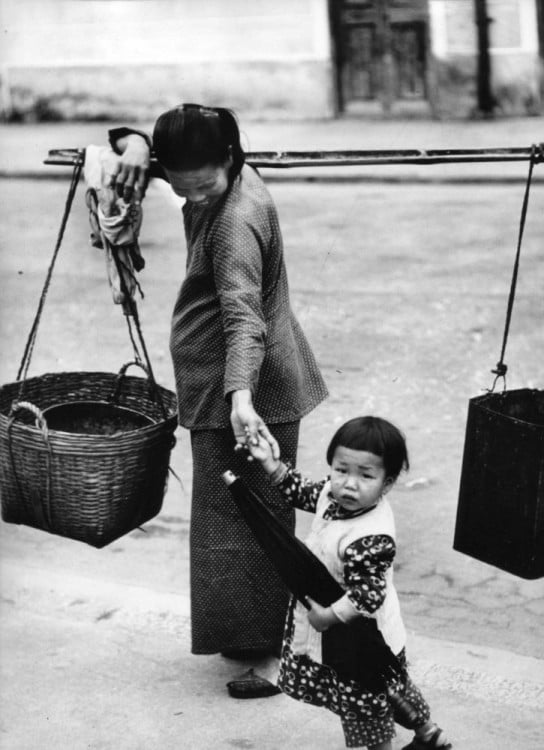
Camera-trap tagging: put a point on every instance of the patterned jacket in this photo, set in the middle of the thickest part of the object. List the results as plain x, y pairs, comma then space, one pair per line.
233, 327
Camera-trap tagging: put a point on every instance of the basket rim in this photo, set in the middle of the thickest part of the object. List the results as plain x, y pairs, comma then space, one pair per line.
168, 421
483, 403
171, 422
73, 373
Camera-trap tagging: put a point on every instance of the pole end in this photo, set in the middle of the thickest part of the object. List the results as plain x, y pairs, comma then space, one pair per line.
228, 477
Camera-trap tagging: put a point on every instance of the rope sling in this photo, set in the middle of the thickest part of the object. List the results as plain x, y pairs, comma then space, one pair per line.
501, 368
130, 307
86, 484
500, 512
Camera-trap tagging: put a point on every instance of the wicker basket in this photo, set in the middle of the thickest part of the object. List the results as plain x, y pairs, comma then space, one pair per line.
88, 487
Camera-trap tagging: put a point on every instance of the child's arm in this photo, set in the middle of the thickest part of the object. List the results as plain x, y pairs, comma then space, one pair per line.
366, 562
321, 618
261, 449
298, 491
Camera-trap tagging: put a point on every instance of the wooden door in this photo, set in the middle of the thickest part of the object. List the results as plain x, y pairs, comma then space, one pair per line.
381, 50
360, 73
408, 52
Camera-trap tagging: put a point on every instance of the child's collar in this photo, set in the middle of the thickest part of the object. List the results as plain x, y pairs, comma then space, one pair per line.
335, 512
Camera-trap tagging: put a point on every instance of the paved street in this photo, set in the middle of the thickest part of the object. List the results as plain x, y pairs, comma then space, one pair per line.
401, 287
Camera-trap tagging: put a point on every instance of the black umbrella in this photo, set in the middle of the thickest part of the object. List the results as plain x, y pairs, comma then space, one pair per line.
355, 650
301, 571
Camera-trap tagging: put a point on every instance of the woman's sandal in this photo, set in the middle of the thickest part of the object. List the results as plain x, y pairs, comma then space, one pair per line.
430, 743
250, 685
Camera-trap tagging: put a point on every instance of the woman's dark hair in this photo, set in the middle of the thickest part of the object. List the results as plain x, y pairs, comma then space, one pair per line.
374, 435
191, 136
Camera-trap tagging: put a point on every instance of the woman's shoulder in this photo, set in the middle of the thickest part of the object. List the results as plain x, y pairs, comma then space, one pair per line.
248, 203
249, 193
250, 177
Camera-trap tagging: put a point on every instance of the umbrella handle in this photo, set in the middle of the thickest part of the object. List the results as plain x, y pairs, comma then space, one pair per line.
229, 478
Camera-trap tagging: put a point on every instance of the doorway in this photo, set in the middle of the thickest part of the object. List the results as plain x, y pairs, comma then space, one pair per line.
382, 54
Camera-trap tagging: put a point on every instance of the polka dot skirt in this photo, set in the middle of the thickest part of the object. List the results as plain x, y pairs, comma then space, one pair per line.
237, 599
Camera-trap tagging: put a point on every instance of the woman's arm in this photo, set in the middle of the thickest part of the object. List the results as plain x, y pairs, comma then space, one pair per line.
235, 250
128, 172
238, 275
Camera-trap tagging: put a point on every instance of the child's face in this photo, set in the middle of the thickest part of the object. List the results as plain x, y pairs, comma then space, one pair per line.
358, 479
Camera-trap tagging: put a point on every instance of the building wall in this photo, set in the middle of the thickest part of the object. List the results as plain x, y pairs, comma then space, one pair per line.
514, 56
118, 58
132, 59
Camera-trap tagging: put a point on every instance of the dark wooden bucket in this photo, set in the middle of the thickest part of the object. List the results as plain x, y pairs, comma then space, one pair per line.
500, 515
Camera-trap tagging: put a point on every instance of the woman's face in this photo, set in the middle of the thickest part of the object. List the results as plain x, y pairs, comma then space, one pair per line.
201, 186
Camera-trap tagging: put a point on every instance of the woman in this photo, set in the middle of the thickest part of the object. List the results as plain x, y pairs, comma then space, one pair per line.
241, 361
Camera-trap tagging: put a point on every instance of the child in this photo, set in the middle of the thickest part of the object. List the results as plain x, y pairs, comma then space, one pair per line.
353, 534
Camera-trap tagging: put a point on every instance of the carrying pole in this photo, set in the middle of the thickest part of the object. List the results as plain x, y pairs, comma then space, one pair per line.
290, 159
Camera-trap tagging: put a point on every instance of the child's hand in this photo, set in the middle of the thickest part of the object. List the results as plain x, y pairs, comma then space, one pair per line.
261, 450
321, 618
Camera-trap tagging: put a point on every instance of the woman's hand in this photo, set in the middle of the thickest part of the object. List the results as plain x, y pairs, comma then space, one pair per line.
321, 618
247, 425
128, 174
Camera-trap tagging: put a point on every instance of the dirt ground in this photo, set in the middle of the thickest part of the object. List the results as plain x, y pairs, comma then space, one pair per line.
402, 290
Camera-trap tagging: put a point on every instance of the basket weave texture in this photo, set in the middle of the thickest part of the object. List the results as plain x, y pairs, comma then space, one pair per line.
91, 488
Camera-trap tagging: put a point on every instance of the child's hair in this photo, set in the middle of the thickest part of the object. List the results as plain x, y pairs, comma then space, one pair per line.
374, 435
191, 136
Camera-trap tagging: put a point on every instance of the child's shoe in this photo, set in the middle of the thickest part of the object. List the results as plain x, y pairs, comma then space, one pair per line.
435, 740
